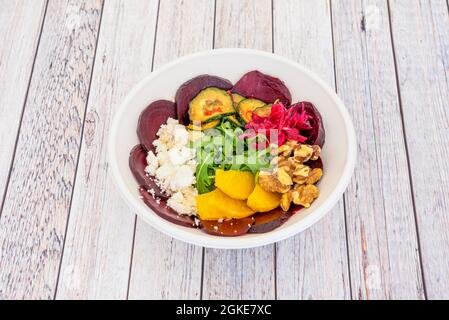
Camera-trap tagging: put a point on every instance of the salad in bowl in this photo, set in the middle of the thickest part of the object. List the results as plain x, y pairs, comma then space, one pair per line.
229, 159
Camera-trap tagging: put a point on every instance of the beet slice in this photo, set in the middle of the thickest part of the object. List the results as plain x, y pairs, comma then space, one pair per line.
159, 206
228, 228
258, 85
151, 119
315, 163
267, 221
188, 90
137, 164
316, 135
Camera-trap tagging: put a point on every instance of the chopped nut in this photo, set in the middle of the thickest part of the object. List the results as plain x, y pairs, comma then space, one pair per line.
290, 176
270, 182
299, 180
316, 152
295, 197
303, 153
302, 171
304, 195
314, 176
285, 149
287, 163
292, 143
284, 177
286, 200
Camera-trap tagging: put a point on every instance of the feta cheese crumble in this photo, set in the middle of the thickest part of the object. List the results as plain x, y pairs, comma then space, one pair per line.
174, 166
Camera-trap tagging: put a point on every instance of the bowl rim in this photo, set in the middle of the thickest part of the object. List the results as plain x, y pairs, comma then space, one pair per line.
241, 242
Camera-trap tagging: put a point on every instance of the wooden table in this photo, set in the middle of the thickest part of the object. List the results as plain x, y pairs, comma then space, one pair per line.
65, 232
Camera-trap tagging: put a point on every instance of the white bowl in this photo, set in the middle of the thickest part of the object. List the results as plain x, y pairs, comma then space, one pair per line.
338, 155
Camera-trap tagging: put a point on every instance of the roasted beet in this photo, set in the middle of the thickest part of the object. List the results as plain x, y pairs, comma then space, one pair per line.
137, 164
151, 119
159, 206
227, 228
315, 163
316, 135
188, 90
267, 221
258, 85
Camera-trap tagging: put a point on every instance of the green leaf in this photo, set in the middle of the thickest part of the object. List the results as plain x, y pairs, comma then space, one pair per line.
203, 177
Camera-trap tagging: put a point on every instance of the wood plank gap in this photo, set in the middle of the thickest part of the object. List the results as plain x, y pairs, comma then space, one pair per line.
79, 151
215, 24
406, 149
344, 194
364, 46
155, 34
23, 110
135, 216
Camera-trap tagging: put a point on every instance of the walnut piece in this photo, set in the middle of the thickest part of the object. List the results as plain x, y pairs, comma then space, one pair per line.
271, 183
291, 177
283, 176
316, 152
304, 152
314, 176
286, 200
302, 171
304, 195
285, 150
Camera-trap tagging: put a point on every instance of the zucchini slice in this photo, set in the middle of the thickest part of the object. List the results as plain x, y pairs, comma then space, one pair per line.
234, 119
237, 99
208, 125
246, 108
263, 111
210, 103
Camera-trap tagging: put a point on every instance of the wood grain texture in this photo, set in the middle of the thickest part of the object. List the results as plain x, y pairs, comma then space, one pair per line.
314, 264
164, 268
49, 80
250, 273
20, 27
98, 246
35, 211
244, 24
382, 239
420, 32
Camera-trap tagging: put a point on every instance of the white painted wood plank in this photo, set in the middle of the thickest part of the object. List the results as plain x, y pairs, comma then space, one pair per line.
382, 239
98, 246
35, 211
20, 27
241, 274
164, 268
244, 24
314, 264
421, 40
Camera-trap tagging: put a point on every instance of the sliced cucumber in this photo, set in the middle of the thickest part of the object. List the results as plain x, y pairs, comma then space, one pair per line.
236, 98
263, 111
208, 125
246, 107
210, 104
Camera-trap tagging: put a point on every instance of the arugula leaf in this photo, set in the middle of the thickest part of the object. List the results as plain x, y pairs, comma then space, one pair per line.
222, 148
203, 174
